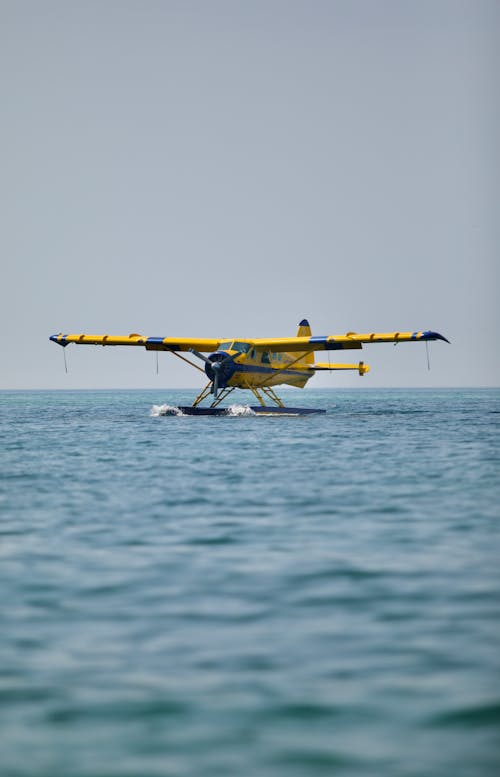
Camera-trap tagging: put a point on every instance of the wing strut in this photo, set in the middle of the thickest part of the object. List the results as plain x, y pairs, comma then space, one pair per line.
187, 361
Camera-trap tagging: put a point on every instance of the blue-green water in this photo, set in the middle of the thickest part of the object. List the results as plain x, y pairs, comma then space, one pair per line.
250, 596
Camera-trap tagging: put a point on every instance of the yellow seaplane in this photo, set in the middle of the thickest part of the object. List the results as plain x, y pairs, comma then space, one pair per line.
257, 364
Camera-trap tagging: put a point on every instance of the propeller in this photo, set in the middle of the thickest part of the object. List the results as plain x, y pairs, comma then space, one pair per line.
218, 366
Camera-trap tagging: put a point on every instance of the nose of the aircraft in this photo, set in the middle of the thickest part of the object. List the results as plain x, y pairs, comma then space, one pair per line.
222, 364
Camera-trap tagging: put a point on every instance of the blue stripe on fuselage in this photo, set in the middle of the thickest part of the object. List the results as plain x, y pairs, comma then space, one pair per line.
268, 370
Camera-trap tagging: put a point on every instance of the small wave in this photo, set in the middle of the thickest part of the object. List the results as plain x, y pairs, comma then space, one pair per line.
240, 410
158, 410
487, 714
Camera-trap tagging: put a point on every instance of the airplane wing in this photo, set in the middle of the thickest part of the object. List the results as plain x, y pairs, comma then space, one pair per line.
149, 343
351, 340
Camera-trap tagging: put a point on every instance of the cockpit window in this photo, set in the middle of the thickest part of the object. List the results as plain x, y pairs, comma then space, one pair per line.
265, 358
225, 346
241, 347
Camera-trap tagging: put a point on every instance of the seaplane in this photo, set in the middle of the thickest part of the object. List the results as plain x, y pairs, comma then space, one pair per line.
257, 364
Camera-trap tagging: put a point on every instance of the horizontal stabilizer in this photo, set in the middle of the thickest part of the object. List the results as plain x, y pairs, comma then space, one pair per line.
362, 368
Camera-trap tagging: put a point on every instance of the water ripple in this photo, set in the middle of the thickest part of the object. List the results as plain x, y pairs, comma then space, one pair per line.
240, 596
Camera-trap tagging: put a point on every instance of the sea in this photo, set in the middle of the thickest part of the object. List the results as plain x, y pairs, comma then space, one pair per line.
246, 595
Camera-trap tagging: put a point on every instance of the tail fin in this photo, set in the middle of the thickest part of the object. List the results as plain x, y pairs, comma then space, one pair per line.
304, 330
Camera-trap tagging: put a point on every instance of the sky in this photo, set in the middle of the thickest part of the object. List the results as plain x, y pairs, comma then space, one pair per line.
227, 168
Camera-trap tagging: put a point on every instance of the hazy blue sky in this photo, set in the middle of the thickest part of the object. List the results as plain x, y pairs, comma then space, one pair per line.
227, 168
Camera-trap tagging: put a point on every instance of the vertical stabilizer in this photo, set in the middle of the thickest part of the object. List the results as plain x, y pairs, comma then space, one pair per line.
304, 330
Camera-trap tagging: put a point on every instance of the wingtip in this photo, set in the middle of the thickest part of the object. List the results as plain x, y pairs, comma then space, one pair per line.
55, 339
435, 336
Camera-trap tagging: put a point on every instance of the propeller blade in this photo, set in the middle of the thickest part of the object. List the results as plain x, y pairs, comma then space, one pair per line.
200, 356
215, 384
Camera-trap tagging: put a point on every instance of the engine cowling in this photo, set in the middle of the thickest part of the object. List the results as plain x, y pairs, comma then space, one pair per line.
222, 364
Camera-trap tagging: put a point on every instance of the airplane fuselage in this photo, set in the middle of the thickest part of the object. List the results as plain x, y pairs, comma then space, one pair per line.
248, 367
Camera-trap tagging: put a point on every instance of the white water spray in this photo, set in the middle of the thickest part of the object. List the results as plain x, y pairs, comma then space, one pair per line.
158, 410
240, 410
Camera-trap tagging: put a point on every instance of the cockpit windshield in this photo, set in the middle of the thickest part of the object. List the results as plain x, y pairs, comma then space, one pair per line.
241, 347
235, 345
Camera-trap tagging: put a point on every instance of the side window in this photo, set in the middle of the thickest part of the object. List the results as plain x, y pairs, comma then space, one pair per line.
265, 358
